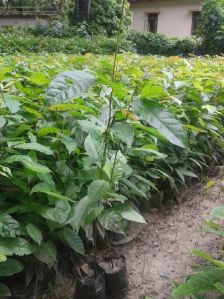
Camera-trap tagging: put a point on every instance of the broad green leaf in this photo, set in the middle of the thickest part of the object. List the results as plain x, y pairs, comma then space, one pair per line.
44, 188
35, 147
72, 239
208, 258
129, 213
34, 232
16, 246
10, 267
163, 120
91, 147
202, 281
47, 253
61, 211
182, 172
79, 210
97, 191
48, 130
9, 227
28, 163
2, 122
4, 290
3, 258
124, 132
70, 107
133, 188
11, 104
68, 85
39, 78
217, 213
153, 92
110, 219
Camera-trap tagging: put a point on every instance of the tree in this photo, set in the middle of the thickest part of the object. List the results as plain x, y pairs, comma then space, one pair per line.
211, 28
101, 16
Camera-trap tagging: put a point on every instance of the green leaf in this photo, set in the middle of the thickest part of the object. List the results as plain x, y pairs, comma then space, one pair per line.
3, 258
91, 148
47, 253
10, 267
61, 211
39, 78
11, 104
45, 188
34, 232
4, 290
16, 246
129, 213
152, 92
2, 122
9, 227
202, 281
163, 120
133, 189
72, 239
208, 258
79, 211
35, 147
124, 132
217, 213
68, 85
70, 107
28, 163
98, 190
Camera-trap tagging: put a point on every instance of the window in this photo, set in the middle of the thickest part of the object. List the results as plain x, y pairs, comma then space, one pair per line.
153, 22
195, 21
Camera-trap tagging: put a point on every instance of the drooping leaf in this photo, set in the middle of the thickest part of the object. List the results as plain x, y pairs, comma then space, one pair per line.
34, 232
47, 253
4, 290
202, 281
79, 210
163, 120
45, 188
68, 85
97, 191
72, 239
124, 132
35, 147
10, 267
28, 163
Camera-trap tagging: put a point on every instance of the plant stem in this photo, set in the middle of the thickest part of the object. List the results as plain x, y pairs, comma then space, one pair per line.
106, 139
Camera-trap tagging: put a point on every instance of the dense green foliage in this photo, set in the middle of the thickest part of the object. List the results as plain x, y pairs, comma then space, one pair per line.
207, 280
212, 27
160, 44
59, 37
81, 148
99, 16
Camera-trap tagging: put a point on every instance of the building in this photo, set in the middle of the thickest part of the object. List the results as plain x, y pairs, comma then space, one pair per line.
175, 18
25, 15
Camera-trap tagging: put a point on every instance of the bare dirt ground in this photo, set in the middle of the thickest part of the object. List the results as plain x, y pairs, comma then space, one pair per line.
161, 252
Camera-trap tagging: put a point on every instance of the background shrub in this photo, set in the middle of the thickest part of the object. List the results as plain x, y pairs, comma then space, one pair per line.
211, 28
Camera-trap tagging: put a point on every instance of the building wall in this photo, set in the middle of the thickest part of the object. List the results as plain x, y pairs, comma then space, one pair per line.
21, 20
175, 16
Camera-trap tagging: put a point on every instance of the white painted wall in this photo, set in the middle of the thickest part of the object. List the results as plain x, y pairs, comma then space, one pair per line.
175, 16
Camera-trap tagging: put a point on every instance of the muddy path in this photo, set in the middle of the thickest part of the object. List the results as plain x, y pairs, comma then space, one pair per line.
161, 252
